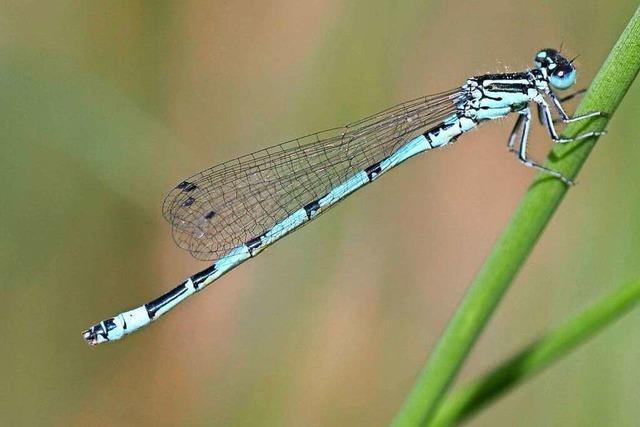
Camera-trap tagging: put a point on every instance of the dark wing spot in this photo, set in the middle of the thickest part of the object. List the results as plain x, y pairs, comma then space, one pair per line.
210, 215
187, 186
188, 202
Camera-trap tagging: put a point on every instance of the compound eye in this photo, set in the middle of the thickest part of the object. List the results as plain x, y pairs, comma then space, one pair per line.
563, 76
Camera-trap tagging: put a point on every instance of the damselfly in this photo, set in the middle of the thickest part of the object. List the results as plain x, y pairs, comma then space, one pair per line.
232, 211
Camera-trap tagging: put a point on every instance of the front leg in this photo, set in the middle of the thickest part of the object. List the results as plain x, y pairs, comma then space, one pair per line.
563, 114
562, 101
544, 107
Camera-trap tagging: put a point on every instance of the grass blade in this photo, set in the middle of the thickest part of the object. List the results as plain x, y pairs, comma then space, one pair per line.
461, 404
521, 234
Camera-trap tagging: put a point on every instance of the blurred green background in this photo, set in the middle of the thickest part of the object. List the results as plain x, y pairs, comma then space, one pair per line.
107, 105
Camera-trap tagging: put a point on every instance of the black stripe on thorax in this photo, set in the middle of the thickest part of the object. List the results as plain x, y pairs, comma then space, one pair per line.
505, 83
503, 76
506, 87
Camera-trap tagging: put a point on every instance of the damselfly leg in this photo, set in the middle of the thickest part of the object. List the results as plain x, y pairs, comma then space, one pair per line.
546, 111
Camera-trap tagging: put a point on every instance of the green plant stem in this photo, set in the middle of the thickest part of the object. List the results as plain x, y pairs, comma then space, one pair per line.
518, 239
536, 357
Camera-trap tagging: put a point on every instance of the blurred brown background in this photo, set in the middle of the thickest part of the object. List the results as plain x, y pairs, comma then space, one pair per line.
107, 105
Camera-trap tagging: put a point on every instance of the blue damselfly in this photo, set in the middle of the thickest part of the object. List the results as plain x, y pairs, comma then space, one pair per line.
232, 211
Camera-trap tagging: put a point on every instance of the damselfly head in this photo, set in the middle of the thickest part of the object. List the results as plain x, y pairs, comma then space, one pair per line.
560, 71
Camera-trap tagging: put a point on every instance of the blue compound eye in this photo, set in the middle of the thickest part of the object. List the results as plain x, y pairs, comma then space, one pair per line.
563, 77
